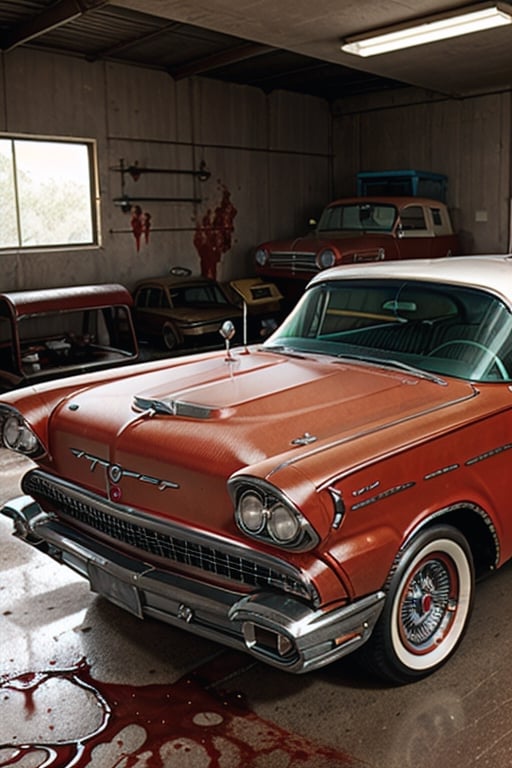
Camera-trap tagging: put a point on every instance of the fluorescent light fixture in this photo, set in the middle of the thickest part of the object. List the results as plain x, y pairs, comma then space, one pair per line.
461, 21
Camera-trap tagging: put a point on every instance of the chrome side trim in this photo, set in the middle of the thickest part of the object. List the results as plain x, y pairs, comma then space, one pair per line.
363, 433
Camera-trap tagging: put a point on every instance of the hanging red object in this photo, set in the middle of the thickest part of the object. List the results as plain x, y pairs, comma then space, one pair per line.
141, 224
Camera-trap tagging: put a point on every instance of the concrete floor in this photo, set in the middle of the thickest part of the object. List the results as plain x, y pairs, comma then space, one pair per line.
85, 684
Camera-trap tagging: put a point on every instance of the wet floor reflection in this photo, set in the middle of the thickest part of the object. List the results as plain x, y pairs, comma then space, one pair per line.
188, 723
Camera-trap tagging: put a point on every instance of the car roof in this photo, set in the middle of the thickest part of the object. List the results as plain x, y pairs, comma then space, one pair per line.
398, 200
490, 271
69, 298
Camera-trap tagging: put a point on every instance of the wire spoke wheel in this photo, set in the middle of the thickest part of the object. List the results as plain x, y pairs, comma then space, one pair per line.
427, 609
428, 605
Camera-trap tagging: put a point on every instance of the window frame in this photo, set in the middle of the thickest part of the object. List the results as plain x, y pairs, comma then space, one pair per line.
94, 193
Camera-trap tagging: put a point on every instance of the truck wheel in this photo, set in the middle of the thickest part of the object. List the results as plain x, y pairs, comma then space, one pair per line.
427, 608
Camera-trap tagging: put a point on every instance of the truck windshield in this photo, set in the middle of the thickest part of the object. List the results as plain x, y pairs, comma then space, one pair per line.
366, 217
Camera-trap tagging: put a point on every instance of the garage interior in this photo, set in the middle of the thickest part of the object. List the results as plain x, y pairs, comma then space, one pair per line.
260, 95
266, 100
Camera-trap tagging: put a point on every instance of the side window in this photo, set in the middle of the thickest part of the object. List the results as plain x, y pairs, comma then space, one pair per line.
155, 298
141, 297
437, 217
413, 218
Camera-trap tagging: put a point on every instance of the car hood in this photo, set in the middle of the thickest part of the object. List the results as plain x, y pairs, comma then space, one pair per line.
201, 314
179, 432
313, 243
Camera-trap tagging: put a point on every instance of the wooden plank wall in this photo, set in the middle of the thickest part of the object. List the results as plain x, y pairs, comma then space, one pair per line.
269, 156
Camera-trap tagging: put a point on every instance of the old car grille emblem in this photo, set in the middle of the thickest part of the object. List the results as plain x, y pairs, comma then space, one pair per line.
116, 472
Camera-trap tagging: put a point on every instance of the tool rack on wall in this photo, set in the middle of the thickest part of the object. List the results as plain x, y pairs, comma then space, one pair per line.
135, 171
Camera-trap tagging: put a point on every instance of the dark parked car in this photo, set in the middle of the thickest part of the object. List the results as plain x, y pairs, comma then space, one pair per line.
339, 487
57, 332
182, 310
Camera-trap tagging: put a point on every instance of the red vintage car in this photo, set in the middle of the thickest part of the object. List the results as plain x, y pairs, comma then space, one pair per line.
337, 488
360, 229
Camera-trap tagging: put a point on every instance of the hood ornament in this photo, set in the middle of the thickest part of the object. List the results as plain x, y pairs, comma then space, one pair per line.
227, 331
306, 439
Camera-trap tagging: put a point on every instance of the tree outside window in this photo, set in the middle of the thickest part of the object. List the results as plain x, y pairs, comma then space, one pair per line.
47, 193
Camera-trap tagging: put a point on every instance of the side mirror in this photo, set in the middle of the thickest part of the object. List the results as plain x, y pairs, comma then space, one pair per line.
399, 231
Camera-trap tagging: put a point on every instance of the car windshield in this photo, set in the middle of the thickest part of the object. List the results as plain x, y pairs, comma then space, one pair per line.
447, 330
363, 216
190, 295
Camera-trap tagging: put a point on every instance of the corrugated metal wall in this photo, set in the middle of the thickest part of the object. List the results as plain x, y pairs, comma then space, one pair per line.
268, 154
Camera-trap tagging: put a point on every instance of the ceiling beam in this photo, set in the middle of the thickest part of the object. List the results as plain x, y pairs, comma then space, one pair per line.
124, 45
223, 59
58, 14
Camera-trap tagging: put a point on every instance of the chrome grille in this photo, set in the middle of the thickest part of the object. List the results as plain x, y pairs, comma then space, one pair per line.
297, 262
118, 524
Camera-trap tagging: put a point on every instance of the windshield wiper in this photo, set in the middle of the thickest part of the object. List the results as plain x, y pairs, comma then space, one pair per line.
419, 372
282, 349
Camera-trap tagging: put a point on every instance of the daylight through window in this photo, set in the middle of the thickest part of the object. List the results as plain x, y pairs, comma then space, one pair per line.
47, 193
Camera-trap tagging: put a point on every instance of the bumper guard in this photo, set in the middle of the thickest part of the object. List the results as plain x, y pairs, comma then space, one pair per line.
277, 628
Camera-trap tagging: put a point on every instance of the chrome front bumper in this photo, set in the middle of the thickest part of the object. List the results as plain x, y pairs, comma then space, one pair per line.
277, 628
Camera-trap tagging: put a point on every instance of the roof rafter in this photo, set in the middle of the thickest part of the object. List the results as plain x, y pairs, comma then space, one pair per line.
222, 59
58, 14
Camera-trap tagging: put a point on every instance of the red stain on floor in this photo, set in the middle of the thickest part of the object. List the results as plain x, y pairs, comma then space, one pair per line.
188, 723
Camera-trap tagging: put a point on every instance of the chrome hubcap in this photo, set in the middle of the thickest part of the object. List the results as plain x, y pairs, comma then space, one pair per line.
428, 605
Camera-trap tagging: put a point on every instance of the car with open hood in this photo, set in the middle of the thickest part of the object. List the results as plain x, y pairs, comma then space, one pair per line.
337, 488
54, 332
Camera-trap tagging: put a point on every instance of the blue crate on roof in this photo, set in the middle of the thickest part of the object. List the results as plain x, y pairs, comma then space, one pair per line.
405, 182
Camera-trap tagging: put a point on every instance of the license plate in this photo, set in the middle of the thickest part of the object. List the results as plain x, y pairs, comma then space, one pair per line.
124, 595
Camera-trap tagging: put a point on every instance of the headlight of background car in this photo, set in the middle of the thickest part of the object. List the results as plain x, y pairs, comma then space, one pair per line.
263, 512
261, 257
326, 258
16, 434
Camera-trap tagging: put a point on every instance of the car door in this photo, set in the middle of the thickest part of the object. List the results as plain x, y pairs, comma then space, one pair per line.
415, 236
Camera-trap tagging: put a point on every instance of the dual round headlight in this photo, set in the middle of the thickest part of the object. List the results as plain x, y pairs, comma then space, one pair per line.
258, 514
17, 435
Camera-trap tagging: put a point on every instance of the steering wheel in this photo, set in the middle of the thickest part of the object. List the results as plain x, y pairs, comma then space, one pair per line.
500, 365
